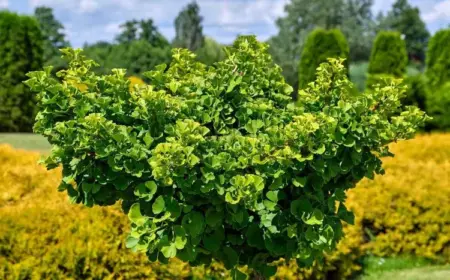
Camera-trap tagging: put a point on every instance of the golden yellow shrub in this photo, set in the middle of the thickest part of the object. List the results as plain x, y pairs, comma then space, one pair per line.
42, 236
407, 211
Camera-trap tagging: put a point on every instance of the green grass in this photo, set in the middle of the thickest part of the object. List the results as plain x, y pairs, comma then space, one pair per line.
403, 268
26, 141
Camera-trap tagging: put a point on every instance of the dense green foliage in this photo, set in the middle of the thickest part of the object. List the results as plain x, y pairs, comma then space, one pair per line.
188, 28
20, 52
438, 107
320, 45
438, 58
215, 163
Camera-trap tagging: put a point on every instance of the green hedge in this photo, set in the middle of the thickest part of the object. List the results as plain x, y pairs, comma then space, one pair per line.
320, 45
438, 58
20, 52
388, 58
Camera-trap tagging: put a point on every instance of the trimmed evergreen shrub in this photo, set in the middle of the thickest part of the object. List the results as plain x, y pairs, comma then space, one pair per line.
389, 58
438, 58
438, 107
320, 45
20, 52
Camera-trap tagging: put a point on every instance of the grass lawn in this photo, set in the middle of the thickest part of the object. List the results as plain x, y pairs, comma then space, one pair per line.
26, 141
404, 268
421, 273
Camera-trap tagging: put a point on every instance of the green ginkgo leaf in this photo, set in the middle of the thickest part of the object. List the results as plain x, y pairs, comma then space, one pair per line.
159, 205
135, 215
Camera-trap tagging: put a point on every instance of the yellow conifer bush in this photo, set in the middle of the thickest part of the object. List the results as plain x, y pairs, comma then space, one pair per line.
43, 236
407, 211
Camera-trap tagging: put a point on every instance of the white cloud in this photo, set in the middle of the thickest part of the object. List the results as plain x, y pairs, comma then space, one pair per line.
113, 27
439, 11
93, 20
87, 6
50, 3
3, 4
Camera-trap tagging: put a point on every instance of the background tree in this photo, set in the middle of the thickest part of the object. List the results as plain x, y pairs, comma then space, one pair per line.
129, 32
52, 32
149, 32
353, 17
54, 38
100, 52
138, 57
20, 52
138, 48
320, 45
388, 58
211, 52
188, 28
438, 58
359, 27
406, 19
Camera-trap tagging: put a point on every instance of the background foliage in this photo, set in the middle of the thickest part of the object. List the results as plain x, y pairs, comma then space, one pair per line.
20, 52
388, 59
320, 45
438, 59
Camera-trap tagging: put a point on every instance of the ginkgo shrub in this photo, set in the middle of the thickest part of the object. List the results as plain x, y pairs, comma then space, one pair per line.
216, 162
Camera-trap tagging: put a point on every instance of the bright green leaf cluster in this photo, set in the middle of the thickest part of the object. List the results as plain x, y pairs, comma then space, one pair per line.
215, 162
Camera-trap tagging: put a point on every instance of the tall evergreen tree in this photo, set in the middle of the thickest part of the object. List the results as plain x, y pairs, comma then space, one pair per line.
130, 31
52, 32
406, 19
320, 45
438, 58
149, 32
353, 17
188, 28
20, 52
388, 58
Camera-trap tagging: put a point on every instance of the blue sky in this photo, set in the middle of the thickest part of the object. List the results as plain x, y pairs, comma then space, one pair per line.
95, 20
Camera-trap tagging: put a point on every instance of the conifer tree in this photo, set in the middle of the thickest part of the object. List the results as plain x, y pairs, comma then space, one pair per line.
20, 52
320, 45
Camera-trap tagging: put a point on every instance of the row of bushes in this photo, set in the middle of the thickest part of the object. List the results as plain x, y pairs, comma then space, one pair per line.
398, 213
389, 60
